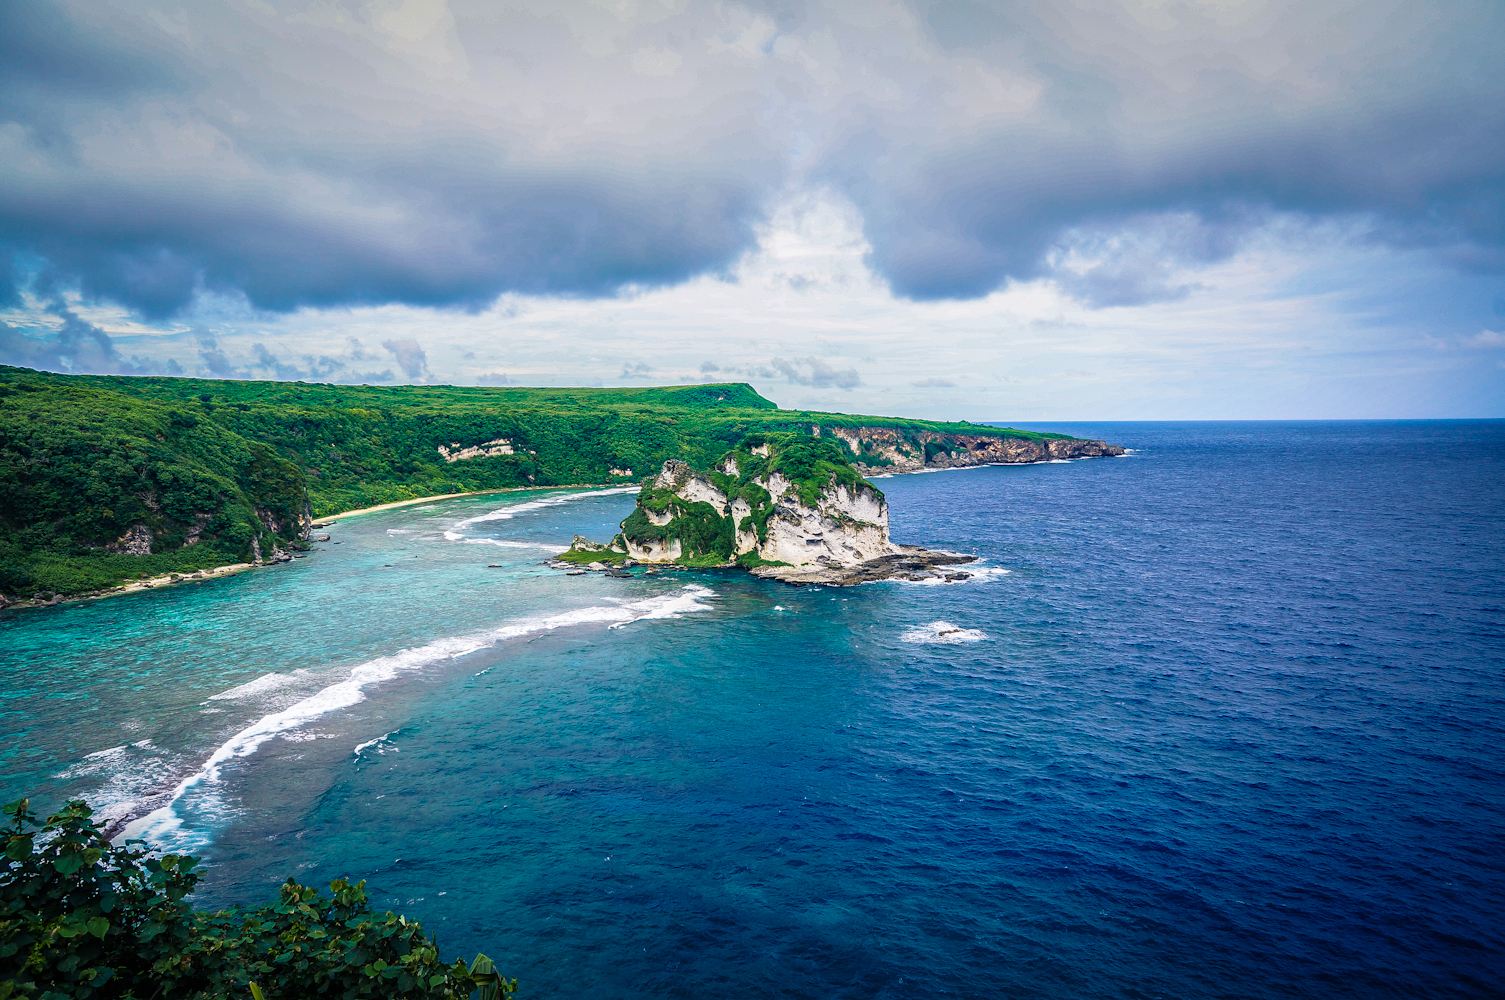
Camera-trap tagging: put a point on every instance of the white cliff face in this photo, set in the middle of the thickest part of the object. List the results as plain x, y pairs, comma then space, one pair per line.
455, 452
658, 518
776, 485
698, 490
801, 535
655, 552
847, 526
746, 538
861, 505
680, 478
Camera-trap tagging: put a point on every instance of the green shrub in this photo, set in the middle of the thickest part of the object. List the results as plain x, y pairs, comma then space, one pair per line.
81, 917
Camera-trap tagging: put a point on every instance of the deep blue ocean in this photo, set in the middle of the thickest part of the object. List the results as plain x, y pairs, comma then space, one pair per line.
1231, 725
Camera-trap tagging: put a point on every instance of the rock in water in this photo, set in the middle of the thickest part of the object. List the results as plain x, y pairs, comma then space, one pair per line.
784, 506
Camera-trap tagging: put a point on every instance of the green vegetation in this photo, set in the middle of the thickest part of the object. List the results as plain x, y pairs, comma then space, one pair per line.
80, 917
208, 472
584, 557
707, 537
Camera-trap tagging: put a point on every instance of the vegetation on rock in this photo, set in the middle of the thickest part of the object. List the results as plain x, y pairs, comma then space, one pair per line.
736, 498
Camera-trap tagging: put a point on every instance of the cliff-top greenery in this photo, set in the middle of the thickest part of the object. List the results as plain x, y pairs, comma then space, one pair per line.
97, 470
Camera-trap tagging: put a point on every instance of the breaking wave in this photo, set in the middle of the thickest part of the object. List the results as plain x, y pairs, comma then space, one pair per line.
456, 531
163, 826
943, 633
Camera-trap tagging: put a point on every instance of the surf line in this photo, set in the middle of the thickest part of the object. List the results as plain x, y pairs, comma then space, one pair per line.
456, 533
163, 825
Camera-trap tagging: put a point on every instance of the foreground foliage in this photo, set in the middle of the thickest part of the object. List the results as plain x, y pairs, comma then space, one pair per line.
80, 917
203, 472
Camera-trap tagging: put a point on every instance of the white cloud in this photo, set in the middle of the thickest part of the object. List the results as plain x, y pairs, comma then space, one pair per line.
1282, 327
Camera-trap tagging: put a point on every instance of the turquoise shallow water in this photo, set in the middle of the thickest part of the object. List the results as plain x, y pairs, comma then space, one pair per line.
1231, 726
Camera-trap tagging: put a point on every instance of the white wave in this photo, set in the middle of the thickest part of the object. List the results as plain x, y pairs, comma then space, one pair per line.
507, 543
968, 574
382, 744
162, 825
120, 776
943, 633
686, 602
265, 684
542, 503
399, 531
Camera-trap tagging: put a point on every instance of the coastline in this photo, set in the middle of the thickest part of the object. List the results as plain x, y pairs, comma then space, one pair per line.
230, 569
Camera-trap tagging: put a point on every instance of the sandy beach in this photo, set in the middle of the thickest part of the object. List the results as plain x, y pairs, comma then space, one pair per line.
174, 579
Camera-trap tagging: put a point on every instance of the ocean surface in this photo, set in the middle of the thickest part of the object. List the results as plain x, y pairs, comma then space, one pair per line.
1232, 724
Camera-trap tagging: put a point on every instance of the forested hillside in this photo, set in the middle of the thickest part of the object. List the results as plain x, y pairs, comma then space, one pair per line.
105, 479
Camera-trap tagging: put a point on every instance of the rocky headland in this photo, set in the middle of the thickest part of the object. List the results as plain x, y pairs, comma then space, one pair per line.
795, 508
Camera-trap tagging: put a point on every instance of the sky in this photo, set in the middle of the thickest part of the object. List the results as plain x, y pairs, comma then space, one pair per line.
1023, 211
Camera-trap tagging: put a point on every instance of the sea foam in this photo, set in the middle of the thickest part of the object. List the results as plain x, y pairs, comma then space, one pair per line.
943, 633
163, 826
456, 533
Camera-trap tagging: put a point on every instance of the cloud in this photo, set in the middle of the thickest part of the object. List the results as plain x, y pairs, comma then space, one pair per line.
213, 359
493, 378
77, 346
445, 154
1487, 339
265, 363
934, 383
812, 372
636, 370
410, 356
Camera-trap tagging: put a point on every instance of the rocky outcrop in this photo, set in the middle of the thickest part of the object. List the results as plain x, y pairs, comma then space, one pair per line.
887, 450
455, 452
785, 507
137, 541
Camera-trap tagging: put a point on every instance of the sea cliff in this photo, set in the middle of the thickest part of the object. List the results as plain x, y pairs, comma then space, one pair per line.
798, 509
877, 450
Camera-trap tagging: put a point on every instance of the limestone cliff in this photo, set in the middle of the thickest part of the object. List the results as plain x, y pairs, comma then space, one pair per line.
885, 449
784, 506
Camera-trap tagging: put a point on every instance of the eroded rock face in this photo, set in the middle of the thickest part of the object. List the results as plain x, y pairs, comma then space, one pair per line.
655, 551
456, 452
883, 449
137, 541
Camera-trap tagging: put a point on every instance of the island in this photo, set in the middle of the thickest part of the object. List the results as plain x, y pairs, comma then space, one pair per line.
787, 507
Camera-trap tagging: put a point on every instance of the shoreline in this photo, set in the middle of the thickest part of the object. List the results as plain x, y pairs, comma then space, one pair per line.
230, 569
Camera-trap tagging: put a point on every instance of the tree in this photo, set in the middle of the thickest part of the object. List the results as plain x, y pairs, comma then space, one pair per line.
81, 917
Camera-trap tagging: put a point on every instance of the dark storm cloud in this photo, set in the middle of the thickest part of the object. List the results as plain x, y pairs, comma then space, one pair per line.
444, 154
